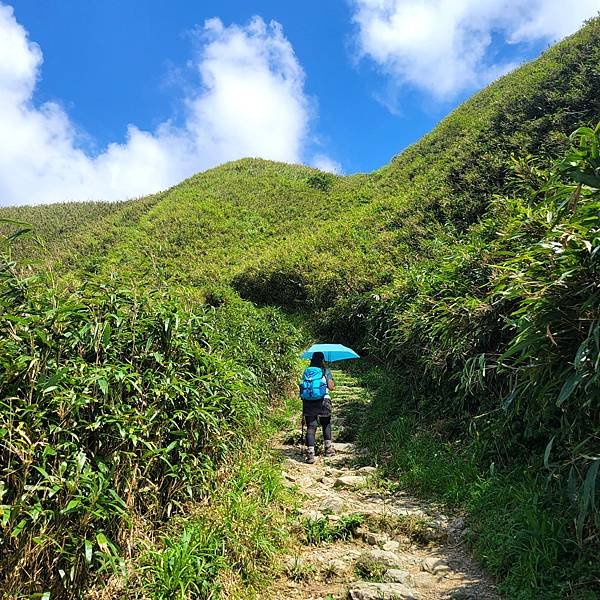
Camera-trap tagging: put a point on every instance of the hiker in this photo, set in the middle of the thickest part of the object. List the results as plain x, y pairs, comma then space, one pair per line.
316, 383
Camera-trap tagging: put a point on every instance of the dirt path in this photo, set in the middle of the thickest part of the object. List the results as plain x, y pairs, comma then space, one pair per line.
368, 542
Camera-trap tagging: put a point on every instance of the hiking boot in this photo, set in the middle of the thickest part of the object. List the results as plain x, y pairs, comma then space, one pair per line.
329, 449
310, 455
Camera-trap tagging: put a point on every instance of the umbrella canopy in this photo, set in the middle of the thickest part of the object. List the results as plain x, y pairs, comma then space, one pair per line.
332, 352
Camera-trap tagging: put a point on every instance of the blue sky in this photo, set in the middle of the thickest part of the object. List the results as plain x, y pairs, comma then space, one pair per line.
342, 85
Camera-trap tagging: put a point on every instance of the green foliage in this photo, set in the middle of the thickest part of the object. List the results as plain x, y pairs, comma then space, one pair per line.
521, 530
416, 454
371, 570
72, 231
323, 529
187, 566
468, 267
320, 181
116, 404
506, 328
496, 346
228, 545
519, 525
300, 570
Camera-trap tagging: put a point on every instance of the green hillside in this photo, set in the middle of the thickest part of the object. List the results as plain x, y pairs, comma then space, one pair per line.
467, 269
243, 218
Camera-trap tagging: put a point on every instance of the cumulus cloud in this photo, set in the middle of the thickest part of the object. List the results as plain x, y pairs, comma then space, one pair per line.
250, 101
446, 46
325, 163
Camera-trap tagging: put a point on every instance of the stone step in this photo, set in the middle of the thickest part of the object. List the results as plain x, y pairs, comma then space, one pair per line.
380, 591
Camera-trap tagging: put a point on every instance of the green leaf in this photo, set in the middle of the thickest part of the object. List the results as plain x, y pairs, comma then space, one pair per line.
71, 506
102, 542
569, 387
103, 385
88, 551
13, 222
106, 334
548, 450
589, 180
587, 499
13, 236
19, 527
5, 511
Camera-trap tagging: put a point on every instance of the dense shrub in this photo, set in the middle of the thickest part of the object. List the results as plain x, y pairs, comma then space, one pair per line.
497, 350
117, 405
320, 181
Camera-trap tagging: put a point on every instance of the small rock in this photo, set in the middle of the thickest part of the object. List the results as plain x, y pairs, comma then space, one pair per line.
332, 505
391, 546
334, 566
289, 476
367, 470
457, 526
397, 576
434, 534
374, 539
422, 580
380, 557
375, 497
412, 512
352, 482
344, 448
434, 565
313, 515
333, 472
380, 591
325, 480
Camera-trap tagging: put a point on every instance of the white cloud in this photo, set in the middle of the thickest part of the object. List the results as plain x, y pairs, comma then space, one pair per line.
443, 46
325, 163
251, 102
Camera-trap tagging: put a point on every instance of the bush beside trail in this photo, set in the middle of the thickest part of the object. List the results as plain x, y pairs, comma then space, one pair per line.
118, 408
496, 348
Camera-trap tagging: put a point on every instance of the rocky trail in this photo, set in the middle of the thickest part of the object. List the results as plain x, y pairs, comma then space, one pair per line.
358, 538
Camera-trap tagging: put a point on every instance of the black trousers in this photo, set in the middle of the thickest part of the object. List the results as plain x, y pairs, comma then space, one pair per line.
311, 428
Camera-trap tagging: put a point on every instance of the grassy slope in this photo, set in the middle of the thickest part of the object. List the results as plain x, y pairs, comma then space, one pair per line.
215, 224
252, 212
70, 231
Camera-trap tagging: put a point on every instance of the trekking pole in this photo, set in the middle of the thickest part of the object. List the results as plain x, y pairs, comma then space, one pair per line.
302, 437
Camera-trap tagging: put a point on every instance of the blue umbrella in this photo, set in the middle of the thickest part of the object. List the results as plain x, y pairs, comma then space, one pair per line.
332, 352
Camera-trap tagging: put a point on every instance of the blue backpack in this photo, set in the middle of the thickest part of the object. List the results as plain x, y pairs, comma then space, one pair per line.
314, 384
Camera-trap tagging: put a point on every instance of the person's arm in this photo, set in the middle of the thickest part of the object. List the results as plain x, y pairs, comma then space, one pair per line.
330, 381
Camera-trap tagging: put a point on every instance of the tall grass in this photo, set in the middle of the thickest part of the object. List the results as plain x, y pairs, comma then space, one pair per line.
497, 351
117, 405
227, 546
520, 524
